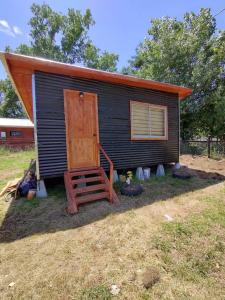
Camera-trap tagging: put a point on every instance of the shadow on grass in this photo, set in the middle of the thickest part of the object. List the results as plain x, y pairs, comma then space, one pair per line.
25, 218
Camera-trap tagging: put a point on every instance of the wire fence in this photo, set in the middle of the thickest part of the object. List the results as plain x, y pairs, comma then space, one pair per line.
213, 149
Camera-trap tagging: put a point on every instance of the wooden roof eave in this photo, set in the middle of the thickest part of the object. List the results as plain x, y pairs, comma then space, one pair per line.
11, 77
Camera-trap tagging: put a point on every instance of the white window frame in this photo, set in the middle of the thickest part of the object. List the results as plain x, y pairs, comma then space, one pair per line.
149, 137
3, 135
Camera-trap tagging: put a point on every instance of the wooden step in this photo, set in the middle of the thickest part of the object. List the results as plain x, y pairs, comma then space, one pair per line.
90, 188
92, 197
99, 189
83, 169
85, 172
87, 179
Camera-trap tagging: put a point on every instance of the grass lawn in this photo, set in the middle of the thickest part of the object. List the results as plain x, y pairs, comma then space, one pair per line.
13, 163
49, 255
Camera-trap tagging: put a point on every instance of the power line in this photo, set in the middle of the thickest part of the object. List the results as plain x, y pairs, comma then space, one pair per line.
219, 12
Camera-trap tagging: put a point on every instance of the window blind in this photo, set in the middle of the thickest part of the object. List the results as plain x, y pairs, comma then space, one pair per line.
148, 121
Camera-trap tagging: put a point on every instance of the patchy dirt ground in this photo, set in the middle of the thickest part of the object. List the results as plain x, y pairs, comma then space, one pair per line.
204, 163
45, 254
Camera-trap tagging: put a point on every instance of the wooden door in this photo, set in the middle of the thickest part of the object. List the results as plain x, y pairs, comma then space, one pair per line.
82, 136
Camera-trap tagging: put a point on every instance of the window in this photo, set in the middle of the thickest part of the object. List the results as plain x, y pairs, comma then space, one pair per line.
16, 133
148, 121
2, 134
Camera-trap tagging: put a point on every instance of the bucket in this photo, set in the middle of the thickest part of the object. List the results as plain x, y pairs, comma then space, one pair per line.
140, 174
147, 173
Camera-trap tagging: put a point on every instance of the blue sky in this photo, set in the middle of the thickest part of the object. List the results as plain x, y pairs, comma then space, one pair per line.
120, 24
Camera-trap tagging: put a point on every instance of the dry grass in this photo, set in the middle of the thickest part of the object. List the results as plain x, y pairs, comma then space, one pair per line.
50, 255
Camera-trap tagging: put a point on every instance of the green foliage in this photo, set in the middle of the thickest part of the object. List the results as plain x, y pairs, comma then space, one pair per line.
57, 36
190, 52
10, 106
65, 38
61, 37
99, 292
213, 109
105, 61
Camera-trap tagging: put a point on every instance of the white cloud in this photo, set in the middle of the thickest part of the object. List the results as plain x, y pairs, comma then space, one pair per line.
4, 23
17, 30
9, 30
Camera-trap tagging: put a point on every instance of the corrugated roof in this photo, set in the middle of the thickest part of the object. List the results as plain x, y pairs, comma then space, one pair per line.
9, 122
20, 68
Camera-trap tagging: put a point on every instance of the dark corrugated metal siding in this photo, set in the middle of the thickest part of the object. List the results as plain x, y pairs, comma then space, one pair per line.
114, 123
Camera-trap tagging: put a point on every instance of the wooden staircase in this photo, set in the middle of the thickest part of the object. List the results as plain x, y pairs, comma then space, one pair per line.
85, 185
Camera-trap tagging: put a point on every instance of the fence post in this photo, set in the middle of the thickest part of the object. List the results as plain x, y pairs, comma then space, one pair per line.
209, 147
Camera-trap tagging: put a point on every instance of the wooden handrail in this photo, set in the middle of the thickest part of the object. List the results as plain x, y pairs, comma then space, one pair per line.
110, 171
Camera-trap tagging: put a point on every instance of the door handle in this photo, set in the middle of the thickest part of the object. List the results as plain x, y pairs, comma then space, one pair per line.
94, 134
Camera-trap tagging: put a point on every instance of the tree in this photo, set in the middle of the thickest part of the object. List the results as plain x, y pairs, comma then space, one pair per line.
61, 37
65, 38
105, 61
214, 111
10, 107
190, 52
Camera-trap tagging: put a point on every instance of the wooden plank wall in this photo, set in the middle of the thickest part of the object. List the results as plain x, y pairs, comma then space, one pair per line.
26, 139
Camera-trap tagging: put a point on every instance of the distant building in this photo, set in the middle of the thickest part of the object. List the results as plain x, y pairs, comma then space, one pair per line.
16, 132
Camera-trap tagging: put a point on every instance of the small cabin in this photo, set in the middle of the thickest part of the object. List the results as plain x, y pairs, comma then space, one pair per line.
86, 118
17, 133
